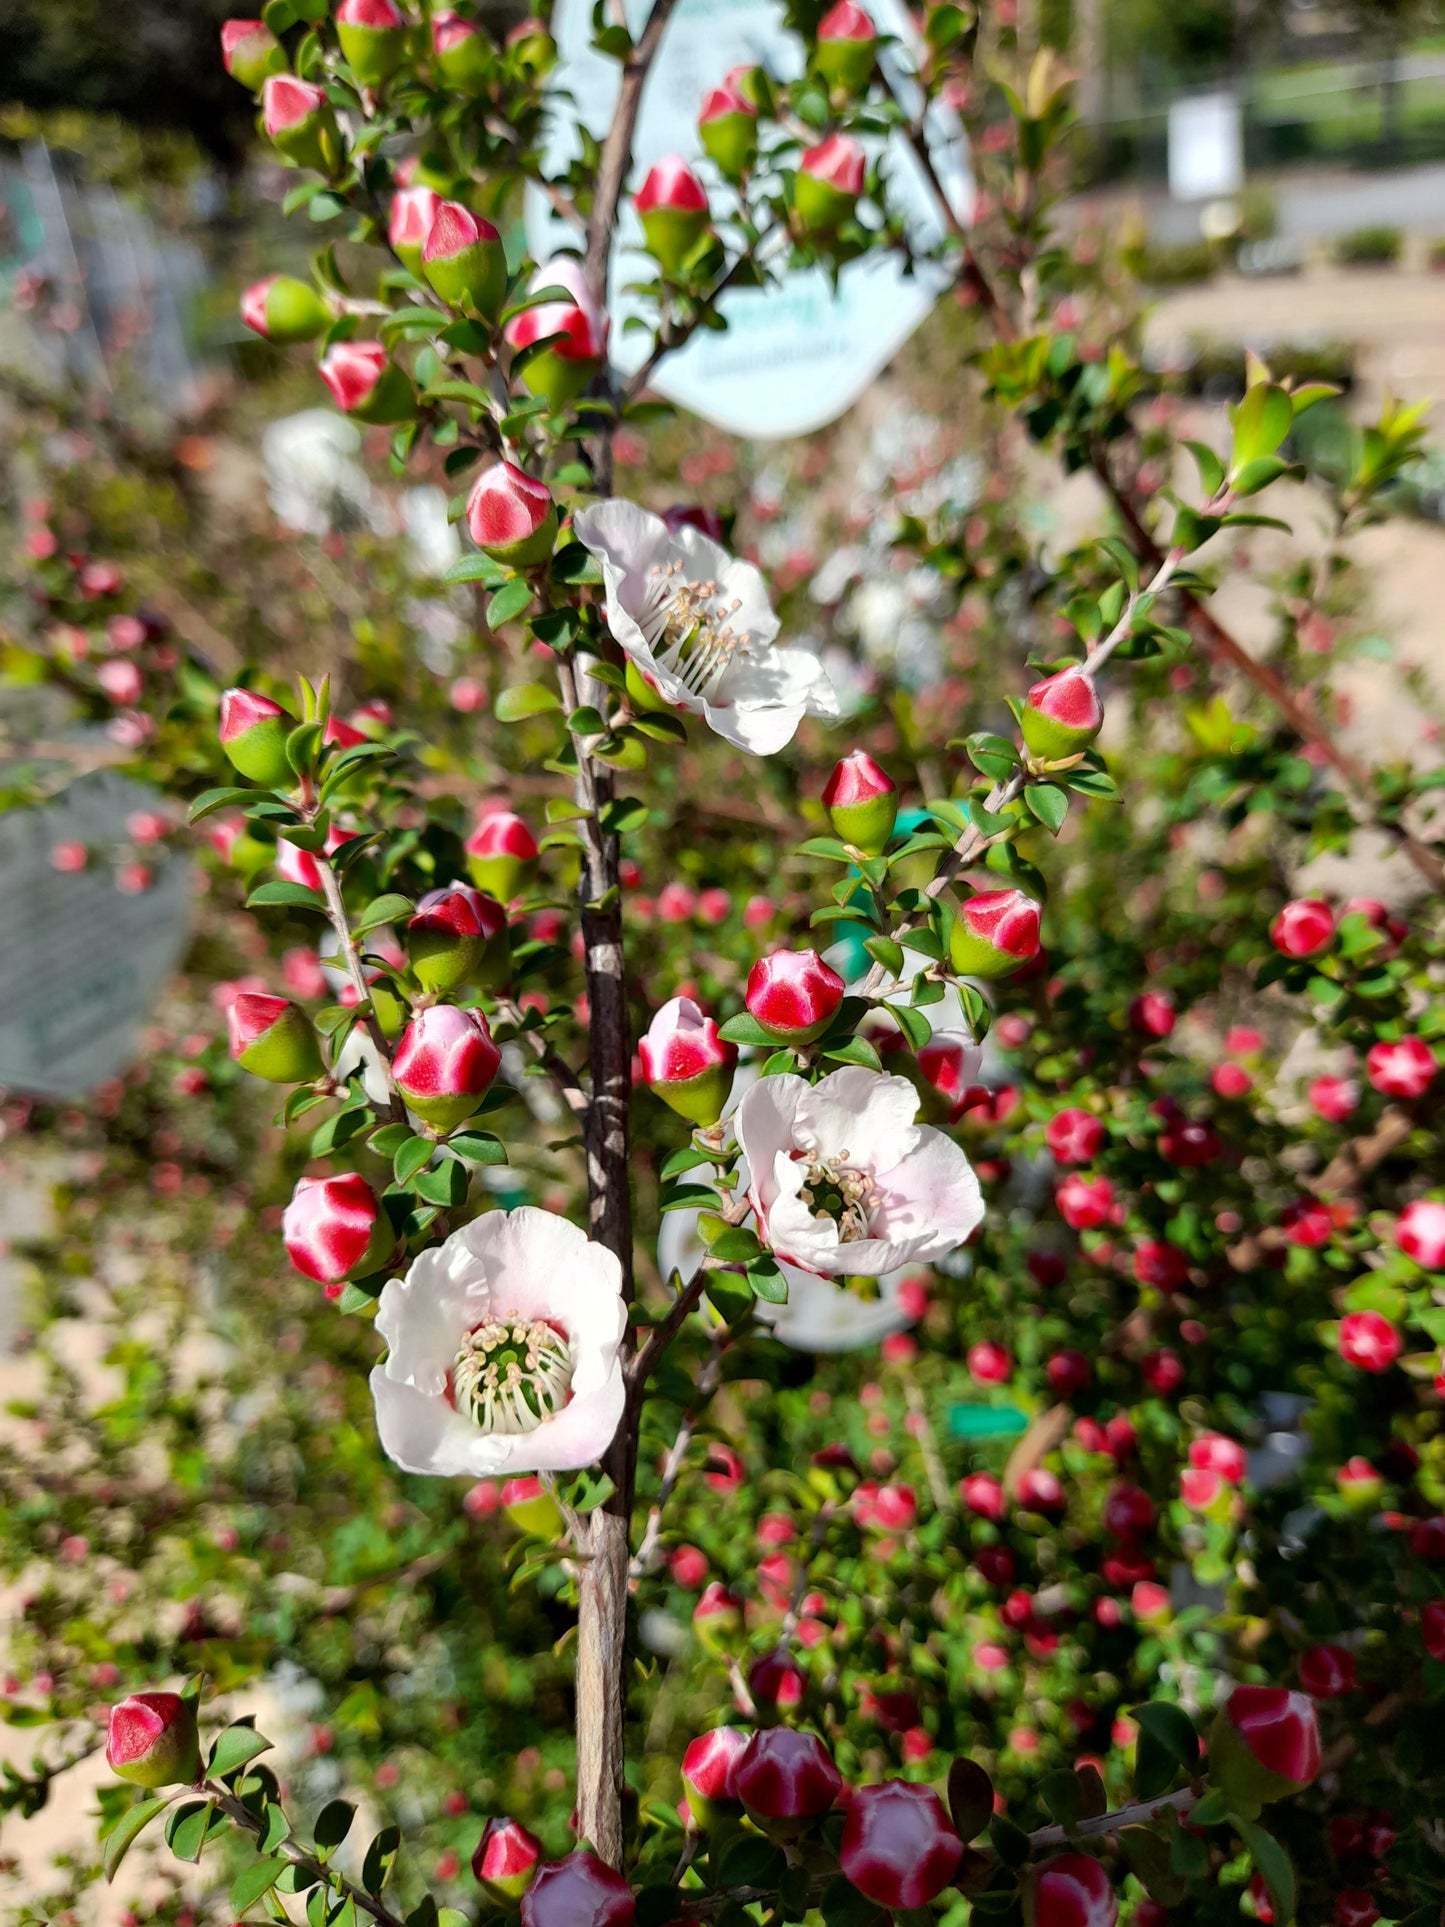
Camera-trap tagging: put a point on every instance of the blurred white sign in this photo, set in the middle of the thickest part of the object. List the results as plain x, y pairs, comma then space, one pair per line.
1206, 147
794, 357
81, 962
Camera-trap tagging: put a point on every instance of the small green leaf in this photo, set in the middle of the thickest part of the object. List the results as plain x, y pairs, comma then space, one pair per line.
1274, 1863
255, 1881
128, 1829
234, 1748
507, 604
766, 1278
210, 800
1049, 804
857, 1050
478, 568
885, 951
744, 1029
446, 1185
478, 1147
294, 896
523, 700
380, 1859
970, 1798
189, 1828
624, 813
333, 1823
391, 908
735, 1246
412, 1156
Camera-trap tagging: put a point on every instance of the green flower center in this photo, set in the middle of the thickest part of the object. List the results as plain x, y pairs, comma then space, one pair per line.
833, 1189
689, 627
511, 1376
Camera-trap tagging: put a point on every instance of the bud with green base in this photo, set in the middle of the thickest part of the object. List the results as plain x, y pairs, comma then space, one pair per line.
717, 1619
285, 310
993, 933
253, 734
251, 53
686, 1063
728, 128
373, 39
531, 1508
793, 995
409, 222
531, 48
507, 1856
847, 45
153, 1742
862, 803
465, 262
273, 1038
573, 330
450, 934
672, 206
1062, 715
445, 1064
1264, 1745
462, 52
709, 1775
829, 180
366, 383
511, 516
502, 855
299, 121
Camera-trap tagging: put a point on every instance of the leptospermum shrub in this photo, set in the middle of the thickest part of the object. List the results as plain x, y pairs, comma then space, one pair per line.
1127, 1529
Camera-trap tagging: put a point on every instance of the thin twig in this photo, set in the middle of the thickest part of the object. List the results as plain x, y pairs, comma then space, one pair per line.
707, 1384
560, 1072
351, 957
298, 1856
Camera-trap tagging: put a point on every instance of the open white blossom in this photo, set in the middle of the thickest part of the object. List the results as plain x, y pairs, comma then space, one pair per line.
698, 627
820, 1316
842, 1180
504, 1350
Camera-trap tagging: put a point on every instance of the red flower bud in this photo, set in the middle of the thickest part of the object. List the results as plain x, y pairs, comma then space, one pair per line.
1084, 1203
1368, 1340
899, 1847
560, 371
272, 1038
512, 516
1062, 715
1068, 1372
251, 53
846, 37
1161, 1264
688, 1566
152, 1741
1074, 1136
672, 206
1265, 1743
717, 1618
253, 734
993, 933
775, 1681
373, 39
829, 180
1128, 1511
1039, 1491
464, 260
1327, 1672
1432, 1627
506, 1861
862, 802
298, 120
885, 1508
686, 1063
580, 1891
451, 931
1153, 1013
728, 129
948, 1066
709, 1771
284, 310
793, 995
1188, 1144
1071, 1891
1420, 1233
1302, 927
1213, 1452
989, 1364
464, 55
445, 1063
982, 1494
365, 382
1355, 1907
1162, 1371
413, 209
502, 855
531, 1508
334, 1229
1405, 1068
786, 1778
1335, 1098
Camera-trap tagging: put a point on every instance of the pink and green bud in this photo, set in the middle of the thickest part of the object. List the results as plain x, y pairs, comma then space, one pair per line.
532, 1508
829, 180
847, 44
793, 995
717, 1619
253, 734
445, 1064
366, 383
672, 206
728, 129
272, 1038
862, 803
461, 51
465, 262
285, 310
530, 47
574, 329
505, 1862
334, 1229
899, 1847
152, 1741
1062, 715
786, 1779
373, 39
413, 209
251, 53
1264, 1744
1072, 1890
299, 122
512, 516
450, 934
709, 1773
579, 1891
502, 855
993, 933
686, 1063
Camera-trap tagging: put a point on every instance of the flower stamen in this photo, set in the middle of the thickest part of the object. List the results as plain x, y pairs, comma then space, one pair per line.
689, 626
833, 1189
510, 1376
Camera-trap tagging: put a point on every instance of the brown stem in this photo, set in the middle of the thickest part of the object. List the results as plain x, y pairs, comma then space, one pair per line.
616, 156
298, 1856
351, 957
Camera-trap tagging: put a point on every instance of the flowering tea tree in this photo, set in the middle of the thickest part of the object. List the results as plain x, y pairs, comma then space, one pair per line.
837, 1136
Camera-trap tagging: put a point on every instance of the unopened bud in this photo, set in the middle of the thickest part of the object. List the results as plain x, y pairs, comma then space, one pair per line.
560, 371
373, 39
1073, 1890
993, 933
445, 1064
1062, 715
334, 1229
462, 52
709, 1773
152, 1741
366, 383
251, 53
413, 209
285, 310
899, 1848
728, 129
502, 855
793, 995
273, 1038
464, 260
531, 47
862, 802
717, 1619
505, 1862
1264, 1744
580, 1891
786, 1778
686, 1063
672, 206
449, 935
531, 1508
512, 516
299, 121
847, 41
253, 732
829, 180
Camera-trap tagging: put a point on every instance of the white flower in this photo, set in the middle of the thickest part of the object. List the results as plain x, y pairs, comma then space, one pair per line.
819, 1315
504, 1350
697, 624
843, 1181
